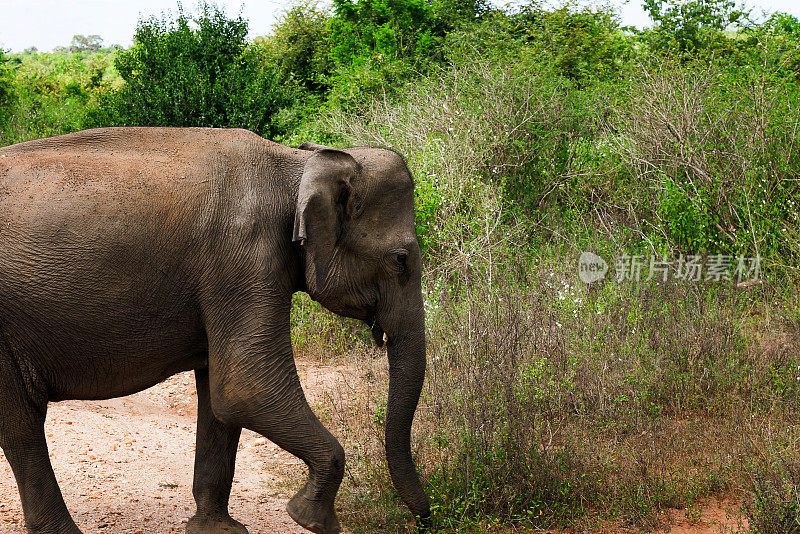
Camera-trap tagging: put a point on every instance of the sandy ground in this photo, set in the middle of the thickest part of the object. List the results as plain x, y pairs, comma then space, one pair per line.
125, 465
713, 517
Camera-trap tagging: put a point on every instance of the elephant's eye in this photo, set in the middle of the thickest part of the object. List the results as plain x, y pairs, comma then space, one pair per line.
397, 260
401, 265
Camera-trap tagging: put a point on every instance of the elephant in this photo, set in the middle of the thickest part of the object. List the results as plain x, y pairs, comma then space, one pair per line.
130, 254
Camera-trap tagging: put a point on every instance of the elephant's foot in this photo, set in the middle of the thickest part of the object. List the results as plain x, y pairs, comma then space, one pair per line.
313, 515
214, 525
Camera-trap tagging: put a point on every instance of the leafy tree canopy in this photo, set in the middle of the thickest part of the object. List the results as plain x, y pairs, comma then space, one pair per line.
86, 43
693, 25
6, 88
300, 46
392, 28
196, 71
582, 43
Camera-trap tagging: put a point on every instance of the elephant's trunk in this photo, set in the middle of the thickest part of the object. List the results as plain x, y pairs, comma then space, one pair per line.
406, 351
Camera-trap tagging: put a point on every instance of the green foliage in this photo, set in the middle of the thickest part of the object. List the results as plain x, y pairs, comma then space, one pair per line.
584, 44
394, 28
319, 334
6, 88
55, 92
693, 25
684, 211
86, 43
379, 45
776, 44
718, 155
300, 47
775, 505
195, 72
783, 24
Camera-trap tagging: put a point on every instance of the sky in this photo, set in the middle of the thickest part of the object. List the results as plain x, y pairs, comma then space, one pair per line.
46, 24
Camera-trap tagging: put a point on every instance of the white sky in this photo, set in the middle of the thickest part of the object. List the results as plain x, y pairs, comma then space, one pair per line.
46, 24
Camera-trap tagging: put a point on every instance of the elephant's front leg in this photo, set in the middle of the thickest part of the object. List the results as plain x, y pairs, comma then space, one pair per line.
214, 463
254, 384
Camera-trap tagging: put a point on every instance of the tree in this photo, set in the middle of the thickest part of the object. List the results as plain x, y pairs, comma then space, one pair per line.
583, 43
783, 24
300, 46
6, 85
86, 43
363, 47
380, 45
692, 25
396, 29
196, 72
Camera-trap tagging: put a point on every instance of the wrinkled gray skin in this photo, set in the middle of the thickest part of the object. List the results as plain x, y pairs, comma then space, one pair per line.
131, 254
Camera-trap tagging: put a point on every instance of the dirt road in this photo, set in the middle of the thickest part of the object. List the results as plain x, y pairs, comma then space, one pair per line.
125, 465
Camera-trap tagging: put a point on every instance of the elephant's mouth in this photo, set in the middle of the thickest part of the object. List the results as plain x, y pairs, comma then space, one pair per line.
377, 333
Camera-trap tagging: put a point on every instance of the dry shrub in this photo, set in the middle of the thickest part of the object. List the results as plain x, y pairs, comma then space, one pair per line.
548, 402
714, 154
774, 507
464, 130
322, 335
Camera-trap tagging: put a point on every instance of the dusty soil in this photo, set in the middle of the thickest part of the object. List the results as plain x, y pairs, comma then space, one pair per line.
713, 517
125, 465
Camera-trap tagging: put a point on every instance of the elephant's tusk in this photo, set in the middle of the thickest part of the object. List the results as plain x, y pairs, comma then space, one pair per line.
385, 338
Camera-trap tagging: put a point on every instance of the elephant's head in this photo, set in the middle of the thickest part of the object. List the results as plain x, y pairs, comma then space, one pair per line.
355, 226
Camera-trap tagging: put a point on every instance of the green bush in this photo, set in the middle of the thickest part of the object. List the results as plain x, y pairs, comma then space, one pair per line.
696, 26
194, 72
6, 88
300, 47
583, 44
53, 93
712, 158
775, 504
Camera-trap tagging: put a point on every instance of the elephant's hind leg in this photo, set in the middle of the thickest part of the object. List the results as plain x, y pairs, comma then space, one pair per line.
214, 462
23, 442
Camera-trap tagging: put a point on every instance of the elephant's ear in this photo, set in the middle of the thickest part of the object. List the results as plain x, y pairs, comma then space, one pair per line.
324, 205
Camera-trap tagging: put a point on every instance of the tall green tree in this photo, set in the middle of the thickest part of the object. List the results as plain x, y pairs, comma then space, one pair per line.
582, 43
196, 71
379, 45
300, 47
6, 88
397, 29
86, 43
693, 25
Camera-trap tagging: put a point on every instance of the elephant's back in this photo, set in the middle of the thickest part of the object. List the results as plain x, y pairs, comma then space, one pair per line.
110, 172
120, 209
131, 157
141, 140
